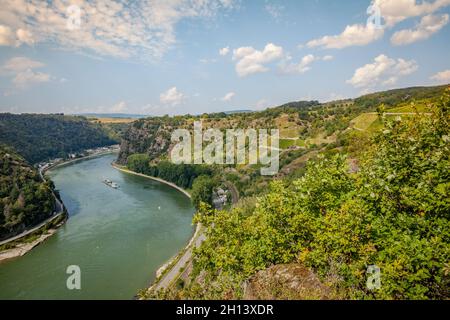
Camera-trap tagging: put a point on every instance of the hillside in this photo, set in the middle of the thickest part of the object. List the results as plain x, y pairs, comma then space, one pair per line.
39, 137
25, 200
306, 127
345, 198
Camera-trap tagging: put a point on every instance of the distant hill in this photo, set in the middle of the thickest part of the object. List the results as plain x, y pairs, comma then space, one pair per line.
237, 111
393, 97
39, 137
25, 200
113, 115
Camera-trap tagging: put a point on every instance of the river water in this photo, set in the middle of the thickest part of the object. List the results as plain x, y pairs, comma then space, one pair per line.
118, 237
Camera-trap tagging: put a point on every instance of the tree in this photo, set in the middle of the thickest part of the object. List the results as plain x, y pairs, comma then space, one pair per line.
138, 162
202, 190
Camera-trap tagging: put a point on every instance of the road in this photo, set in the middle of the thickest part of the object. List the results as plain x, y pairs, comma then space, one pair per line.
175, 271
169, 277
59, 209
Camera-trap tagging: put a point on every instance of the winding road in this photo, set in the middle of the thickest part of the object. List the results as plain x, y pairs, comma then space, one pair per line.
59, 209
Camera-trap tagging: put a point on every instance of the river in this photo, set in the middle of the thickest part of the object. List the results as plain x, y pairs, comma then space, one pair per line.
118, 237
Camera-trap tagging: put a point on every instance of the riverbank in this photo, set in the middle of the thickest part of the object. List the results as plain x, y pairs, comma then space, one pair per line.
67, 162
29, 242
173, 185
20, 247
170, 271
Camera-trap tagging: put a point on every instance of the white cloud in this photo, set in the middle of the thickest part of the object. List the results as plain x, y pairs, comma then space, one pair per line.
383, 70
6, 36
144, 30
442, 77
28, 77
228, 96
10, 38
392, 13
119, 107
428, 25
396, 11
353, 35
250, 60
276, 11
301, 67
18, 64
22, 73
24, 36
172, 97
224, 51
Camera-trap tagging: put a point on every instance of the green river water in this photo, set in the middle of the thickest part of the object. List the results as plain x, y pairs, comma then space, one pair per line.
118, 237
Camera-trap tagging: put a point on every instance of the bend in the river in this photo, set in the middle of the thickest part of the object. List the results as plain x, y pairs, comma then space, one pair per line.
118, 237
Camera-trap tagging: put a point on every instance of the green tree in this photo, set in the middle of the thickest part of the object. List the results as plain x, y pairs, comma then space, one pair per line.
138, 162
202, 190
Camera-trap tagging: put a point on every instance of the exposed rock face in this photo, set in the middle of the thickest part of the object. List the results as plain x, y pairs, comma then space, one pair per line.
150, 136
287, 282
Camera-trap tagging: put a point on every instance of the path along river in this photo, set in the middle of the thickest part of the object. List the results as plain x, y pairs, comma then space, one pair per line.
118, 237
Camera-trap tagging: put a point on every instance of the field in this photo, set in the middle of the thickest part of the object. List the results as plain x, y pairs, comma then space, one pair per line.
112, 120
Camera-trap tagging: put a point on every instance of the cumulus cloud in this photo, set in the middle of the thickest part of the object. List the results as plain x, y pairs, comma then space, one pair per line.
24, 36
303, 65
228, 96
353, 35
392, 13
171, 97
250, 60
396, 11
140, 29
28, 77
442, 77
22, 73
428, 25
384, 70
6, 36
224, 51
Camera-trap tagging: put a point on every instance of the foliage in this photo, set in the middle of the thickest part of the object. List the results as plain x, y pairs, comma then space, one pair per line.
183, 175
39, 137
25, 199
393, 212
202, 190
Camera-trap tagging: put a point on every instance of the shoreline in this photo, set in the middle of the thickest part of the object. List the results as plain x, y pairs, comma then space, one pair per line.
173, 262
22, 248
67, 162
173, 185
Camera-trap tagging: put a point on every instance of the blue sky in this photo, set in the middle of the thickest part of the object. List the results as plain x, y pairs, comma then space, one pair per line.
194, 56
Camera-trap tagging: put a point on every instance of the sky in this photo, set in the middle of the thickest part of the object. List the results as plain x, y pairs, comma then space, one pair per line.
172, 57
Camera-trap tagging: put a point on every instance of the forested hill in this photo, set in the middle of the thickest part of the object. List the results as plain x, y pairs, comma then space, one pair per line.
25, 200
361, 183
39, 137
301, 123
